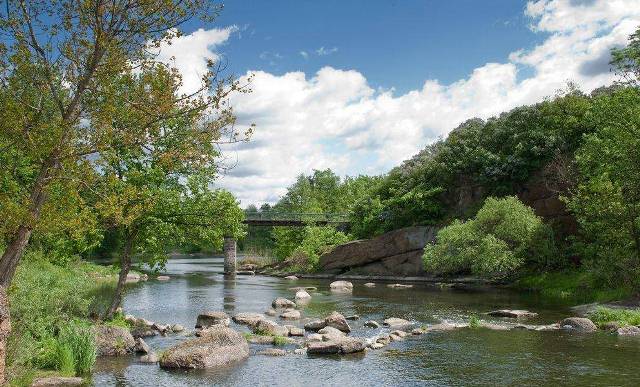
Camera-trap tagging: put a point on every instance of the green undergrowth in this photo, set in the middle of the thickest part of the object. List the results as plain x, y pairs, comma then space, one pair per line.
52, 307
572, 287
622, 317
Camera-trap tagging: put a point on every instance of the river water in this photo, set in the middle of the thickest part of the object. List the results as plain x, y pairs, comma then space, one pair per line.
466, 357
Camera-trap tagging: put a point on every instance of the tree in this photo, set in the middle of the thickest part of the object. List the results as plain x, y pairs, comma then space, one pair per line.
64, 64
607, 199
626, 60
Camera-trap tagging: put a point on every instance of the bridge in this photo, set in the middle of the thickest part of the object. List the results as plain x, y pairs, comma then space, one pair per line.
276, 218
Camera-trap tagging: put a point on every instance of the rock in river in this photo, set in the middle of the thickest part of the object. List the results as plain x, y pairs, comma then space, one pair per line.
341, 286
273, 352
336, 320
579, 324
341, 346
512, 313
250, 319
281, 302
141, 346
370, 284
290, 314
210, 318
267, 327
629, 331
291, 277
218, 346
113, 341
371, 324
302, 295
315, 325
395, 322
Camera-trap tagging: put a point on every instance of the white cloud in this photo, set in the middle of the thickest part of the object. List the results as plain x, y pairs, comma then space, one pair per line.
189, 54
304, 54
335, 119
326, 51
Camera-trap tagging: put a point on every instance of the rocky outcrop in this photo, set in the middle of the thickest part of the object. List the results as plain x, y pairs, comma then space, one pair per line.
113, 341
396, 253
217, 346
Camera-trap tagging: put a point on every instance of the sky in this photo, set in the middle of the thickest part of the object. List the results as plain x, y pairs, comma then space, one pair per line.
358, 86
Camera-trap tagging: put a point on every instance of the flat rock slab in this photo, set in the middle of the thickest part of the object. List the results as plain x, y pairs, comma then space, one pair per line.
57, 381
399, 286
342, 346
512, 313
163, 278
395, 322
217, 347
250, 319
210, 318
273, 352
370, 284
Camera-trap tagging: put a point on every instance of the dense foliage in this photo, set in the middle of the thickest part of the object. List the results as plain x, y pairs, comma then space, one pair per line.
501, 239
323, 192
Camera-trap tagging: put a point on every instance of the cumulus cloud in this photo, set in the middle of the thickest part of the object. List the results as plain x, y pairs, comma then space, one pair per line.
189, 54
335, 119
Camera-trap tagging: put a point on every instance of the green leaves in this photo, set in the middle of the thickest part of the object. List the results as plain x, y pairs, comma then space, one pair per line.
504, 236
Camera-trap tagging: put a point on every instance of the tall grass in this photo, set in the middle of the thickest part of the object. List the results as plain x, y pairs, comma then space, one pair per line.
623, 317
80, 340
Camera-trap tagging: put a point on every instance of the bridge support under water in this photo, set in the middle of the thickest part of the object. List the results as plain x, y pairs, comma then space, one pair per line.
229, 256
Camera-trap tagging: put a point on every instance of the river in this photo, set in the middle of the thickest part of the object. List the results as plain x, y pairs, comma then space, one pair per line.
465, 357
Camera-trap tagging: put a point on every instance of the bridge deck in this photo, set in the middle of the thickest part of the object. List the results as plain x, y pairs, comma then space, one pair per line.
294, 219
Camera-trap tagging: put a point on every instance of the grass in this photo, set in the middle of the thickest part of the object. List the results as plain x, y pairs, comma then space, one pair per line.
474, 322
119, 321
50, 307
623, 317
277, 340
280, 341
571, 286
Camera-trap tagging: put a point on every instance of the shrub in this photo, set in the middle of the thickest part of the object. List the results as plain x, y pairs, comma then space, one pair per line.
503, 237
80, 340
474, 322
319, 240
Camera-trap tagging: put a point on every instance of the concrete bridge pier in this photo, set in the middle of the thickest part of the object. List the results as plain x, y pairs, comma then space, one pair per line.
229, 256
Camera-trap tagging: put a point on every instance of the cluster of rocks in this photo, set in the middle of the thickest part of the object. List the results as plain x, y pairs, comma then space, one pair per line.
135, 277
142, 327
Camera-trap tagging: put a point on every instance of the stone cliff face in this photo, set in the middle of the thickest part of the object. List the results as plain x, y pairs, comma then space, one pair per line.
396, 253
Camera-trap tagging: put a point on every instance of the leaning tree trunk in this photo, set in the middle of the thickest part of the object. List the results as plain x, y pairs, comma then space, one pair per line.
20, 240
125, 266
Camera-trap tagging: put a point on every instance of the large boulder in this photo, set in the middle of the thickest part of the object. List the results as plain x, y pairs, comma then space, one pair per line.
113, 341
218, 346
210, 318
579, 324
336, 320
302, 295
392, 247
629, 331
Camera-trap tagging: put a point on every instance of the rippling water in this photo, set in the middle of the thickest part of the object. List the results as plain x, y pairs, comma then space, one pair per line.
465, 357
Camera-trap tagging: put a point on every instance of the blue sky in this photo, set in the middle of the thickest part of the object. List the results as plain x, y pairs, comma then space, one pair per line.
358, 86
395, 44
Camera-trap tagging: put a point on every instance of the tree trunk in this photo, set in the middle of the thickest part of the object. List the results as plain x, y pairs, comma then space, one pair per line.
125, 266
20, 240
5, 329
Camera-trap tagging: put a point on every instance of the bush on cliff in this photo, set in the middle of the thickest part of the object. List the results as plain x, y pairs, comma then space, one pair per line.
504, 237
